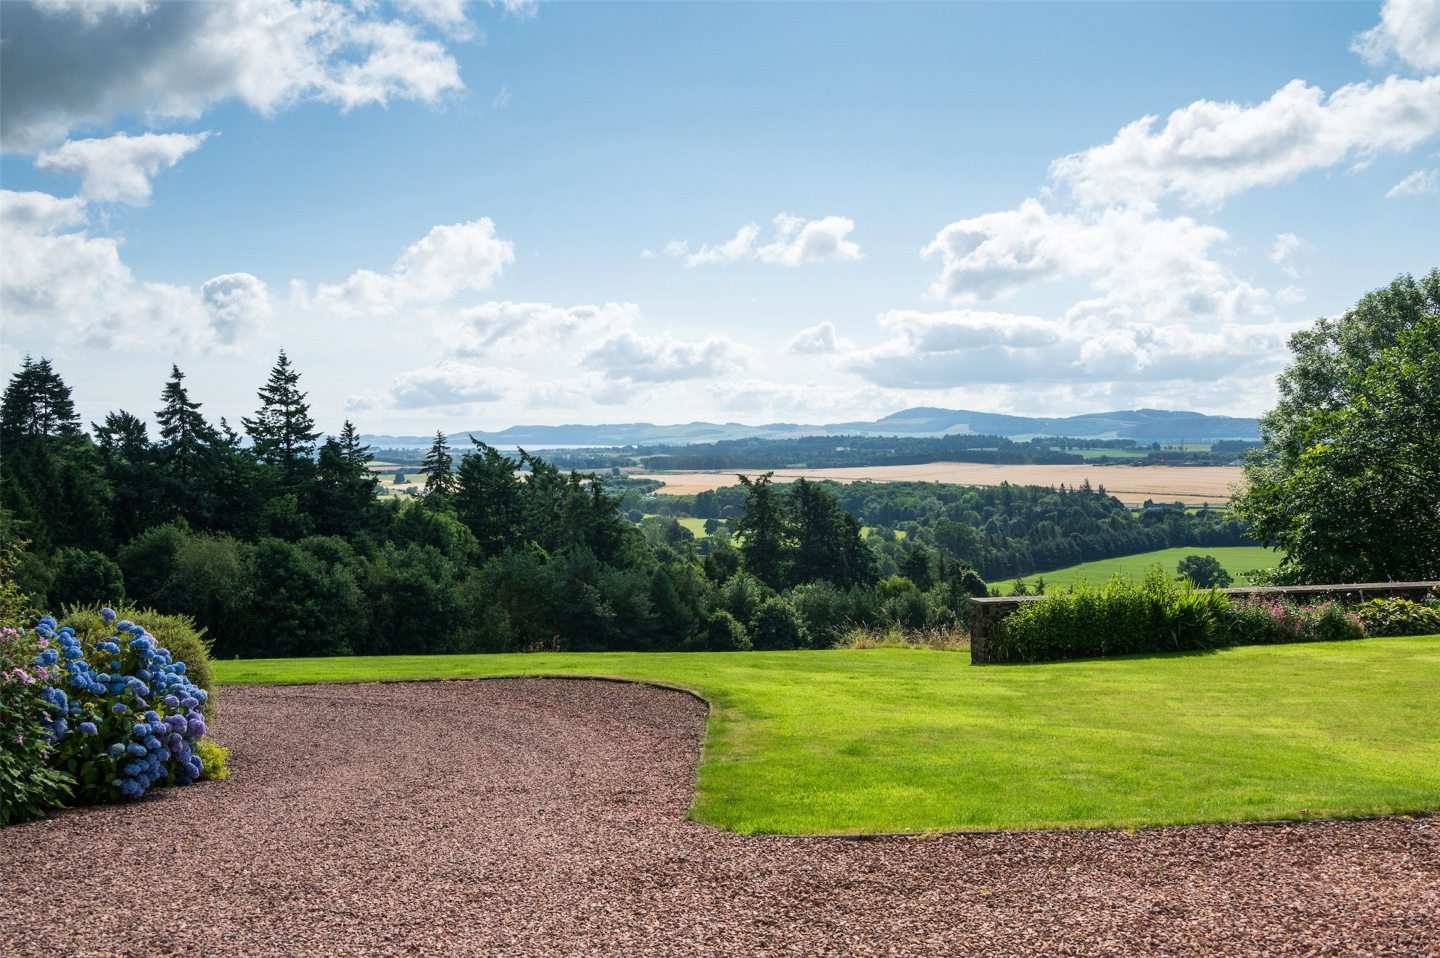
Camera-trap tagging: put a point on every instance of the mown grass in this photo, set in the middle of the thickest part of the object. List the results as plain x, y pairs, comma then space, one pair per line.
1234, 559
901, 740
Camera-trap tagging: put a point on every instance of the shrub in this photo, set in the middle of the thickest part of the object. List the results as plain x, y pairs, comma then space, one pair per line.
214, 761
177, 633
778, 625
1265, 621
1399, 617
29, 786
1121, 617
893, 636
123, 713
724, 634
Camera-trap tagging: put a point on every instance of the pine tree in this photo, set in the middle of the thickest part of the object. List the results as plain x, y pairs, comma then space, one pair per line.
282, 430
186, 439
37, 404
766, 531
437, 466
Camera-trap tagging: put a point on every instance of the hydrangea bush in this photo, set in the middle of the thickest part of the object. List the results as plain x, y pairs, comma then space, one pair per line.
121, 716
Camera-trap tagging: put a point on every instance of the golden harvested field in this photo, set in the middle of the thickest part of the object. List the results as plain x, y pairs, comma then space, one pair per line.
1130, 484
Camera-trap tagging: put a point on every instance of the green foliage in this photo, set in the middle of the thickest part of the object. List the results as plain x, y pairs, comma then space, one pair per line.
777, 624
1205, 571
29, 785
724, 634
1400, 617
1273, 621
1119, 618
1346, 482
214, 761
79, 576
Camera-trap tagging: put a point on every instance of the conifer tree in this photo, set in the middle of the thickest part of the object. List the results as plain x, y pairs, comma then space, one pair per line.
766, 531
186, 439
282, 430
437, 466
37, 403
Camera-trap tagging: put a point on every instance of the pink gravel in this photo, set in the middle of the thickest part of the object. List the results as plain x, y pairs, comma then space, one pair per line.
547, 817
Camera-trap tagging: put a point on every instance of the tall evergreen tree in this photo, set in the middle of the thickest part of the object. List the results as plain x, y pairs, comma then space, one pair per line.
437, 465
128, 458
186, 439
282, 430
37, 403
766, 531
488, 500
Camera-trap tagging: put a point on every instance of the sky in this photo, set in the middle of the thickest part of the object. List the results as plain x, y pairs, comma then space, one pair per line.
458, 215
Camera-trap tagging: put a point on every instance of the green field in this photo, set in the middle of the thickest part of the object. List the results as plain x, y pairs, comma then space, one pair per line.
1235, 559
898, 740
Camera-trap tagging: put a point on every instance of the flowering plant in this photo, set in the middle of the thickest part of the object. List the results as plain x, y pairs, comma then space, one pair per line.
122, 714
29, 786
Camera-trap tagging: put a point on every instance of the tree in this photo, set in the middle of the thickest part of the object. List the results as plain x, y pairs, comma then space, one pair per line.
1345, 485
1204, 571
765, 529
282, 430
439, 476
37, 403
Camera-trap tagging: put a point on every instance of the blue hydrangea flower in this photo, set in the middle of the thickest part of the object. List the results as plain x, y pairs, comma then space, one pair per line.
89, 728
108, 614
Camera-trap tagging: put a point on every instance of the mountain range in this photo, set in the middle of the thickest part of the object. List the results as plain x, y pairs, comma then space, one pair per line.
1142, 425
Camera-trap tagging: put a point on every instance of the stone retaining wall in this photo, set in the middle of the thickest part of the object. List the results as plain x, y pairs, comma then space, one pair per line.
986, 613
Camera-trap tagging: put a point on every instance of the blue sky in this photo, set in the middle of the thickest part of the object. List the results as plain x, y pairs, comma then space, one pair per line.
462, 215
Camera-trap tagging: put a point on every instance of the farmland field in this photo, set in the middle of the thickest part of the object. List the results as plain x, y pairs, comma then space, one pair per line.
887, 740
1130, 484
1235, 560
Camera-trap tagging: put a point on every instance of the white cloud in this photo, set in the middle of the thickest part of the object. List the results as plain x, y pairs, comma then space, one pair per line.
449, 260
1286, 246
1291, 296
1416, 184
820, 339
449, 15
1208, 151
1408, 30
794, 241
74, 284
1143, 265
630, 357
119, 168
956, 348
74, 64
519, 329
443, 384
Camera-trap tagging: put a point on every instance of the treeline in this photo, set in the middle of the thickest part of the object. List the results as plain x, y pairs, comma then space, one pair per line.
276, 541
1001, 531
818, 452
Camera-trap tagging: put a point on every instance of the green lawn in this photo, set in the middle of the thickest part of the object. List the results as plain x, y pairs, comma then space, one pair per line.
1235, 559
888, 740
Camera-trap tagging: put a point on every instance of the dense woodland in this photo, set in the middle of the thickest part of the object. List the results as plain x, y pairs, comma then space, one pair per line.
278, 544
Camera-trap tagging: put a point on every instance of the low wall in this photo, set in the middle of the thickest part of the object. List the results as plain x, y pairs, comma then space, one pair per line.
986, 613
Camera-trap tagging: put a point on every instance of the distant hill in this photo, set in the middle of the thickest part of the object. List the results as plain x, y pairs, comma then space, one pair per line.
1142, 425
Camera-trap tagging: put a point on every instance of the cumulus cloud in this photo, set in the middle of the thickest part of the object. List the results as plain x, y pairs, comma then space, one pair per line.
956, 348
58, 276
794, 241
1142, 264
119, 168
1209, 150
447, 261
820, 339
1409, 30
70, 64
633, 358
1416, 184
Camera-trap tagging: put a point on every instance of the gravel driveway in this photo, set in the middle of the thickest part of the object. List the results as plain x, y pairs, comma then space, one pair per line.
546, 817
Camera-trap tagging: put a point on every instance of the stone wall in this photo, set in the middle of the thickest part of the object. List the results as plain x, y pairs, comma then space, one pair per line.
986, 613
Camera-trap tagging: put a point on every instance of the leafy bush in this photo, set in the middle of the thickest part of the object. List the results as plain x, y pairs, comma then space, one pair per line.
893, 636
29, 786
214, 761
778, 625
1400, 617
1119, 618
1271, 621
136, 715
724, 634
